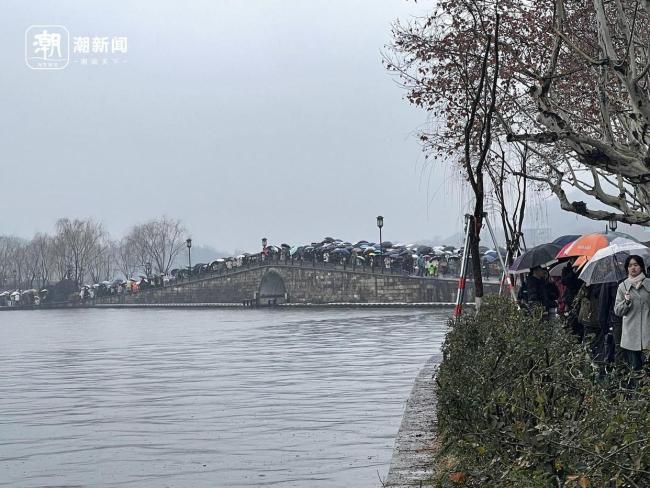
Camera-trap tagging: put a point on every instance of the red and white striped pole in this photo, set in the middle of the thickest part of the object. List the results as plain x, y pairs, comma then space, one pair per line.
462, 279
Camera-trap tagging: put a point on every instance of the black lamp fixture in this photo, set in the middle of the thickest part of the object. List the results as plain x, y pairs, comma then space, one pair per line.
147, 269
380, 224
188, 243
612, 225
264, 242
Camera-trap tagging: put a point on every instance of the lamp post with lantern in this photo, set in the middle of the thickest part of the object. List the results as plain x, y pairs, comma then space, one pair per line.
380, 224
188, 243
612, 225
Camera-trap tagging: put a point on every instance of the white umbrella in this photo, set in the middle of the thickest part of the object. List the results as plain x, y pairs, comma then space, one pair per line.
607, 265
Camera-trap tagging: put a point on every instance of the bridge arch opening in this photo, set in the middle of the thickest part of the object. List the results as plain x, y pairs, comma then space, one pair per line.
272, 289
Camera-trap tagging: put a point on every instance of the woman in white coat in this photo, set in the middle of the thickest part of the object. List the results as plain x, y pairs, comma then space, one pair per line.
633, 304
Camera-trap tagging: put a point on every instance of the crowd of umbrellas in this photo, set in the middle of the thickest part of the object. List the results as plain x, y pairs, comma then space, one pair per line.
362, 253
600, 257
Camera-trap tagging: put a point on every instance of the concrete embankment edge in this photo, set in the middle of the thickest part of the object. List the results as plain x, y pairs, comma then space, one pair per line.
415, 444
282, 306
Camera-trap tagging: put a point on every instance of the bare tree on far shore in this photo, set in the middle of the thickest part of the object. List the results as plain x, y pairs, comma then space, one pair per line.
126, 258
157, 242
39, 261
12, 261
79, 244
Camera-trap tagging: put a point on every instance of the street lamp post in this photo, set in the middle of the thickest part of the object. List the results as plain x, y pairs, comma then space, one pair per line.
264, 243
380, 224
147, 269
188, 243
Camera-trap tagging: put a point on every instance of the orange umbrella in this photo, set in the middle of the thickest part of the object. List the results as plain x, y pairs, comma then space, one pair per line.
586, 246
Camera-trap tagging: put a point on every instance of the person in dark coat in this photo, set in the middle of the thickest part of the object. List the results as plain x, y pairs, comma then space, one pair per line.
540, 290
611, 325
421, 265
570, 280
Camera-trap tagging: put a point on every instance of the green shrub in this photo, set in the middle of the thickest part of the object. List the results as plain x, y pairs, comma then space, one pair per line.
520, 403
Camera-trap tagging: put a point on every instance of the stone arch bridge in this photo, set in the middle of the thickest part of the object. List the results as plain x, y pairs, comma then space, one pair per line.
263, 284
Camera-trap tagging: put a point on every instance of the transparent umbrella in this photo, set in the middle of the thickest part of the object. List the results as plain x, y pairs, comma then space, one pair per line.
607, 265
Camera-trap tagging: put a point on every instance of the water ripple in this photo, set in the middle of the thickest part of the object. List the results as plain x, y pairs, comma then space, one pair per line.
206, 398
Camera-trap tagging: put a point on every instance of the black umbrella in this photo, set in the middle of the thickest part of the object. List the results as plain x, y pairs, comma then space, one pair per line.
564, 240
541, 255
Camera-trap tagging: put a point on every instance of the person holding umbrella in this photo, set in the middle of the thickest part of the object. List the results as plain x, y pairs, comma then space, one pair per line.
611, 324
421, 265
570, 280
633, 304
540, 290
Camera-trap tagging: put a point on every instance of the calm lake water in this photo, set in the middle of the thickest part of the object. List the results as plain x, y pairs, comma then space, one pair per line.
207, 398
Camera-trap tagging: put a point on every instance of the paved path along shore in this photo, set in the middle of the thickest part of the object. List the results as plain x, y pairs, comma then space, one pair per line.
412, 462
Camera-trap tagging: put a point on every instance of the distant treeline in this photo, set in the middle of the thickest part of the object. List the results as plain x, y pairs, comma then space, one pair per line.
83, 251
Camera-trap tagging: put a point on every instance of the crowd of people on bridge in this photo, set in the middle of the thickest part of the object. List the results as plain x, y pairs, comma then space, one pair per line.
411, 259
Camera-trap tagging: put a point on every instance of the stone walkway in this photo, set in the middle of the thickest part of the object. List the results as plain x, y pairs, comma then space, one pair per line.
412, 462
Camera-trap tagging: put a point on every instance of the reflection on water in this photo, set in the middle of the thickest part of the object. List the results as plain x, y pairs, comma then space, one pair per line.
206, 398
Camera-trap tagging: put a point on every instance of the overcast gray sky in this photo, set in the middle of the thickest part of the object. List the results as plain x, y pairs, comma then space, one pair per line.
243, 118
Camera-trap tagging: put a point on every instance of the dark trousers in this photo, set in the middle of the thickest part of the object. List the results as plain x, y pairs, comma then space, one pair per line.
634, 359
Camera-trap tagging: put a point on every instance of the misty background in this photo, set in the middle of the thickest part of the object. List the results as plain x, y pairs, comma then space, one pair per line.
244, 119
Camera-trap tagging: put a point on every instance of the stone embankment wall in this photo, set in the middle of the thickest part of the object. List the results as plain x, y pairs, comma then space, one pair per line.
295, 284
413, 463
